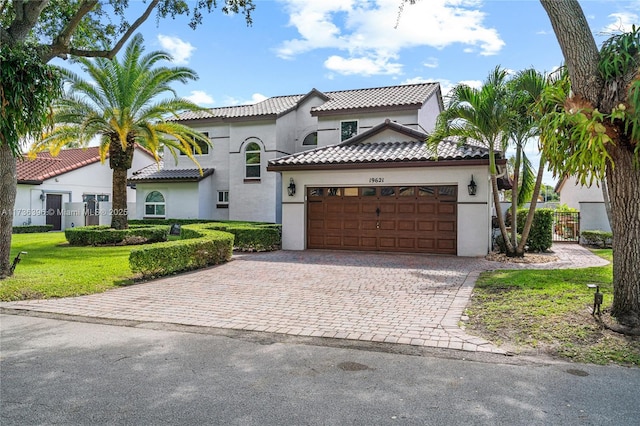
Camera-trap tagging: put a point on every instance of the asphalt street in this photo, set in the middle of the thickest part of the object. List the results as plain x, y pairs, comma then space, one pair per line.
75, 373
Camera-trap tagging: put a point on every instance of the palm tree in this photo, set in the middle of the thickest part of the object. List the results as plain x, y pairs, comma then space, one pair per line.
528, 89
482, 115
122, 105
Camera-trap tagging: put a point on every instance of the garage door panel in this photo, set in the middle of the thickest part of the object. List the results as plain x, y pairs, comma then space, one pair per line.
407, 208
406, 243
351, 208
426, 208
350, 224
446, 208
406, 225
387, 225
446, 226
426, 225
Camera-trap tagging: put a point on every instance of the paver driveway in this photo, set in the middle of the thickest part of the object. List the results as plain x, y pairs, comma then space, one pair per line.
393, 298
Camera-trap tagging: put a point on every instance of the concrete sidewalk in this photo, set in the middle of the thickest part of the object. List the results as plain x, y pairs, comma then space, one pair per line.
380, 297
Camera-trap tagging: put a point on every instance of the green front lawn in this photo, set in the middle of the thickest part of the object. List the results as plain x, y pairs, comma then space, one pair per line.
52, 268
549, 311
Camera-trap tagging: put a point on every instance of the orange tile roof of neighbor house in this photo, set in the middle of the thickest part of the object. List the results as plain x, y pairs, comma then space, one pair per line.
45, 166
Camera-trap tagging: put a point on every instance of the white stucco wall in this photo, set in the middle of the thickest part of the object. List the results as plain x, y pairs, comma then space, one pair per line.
593, 217
572, 193
473, 211
329, 126
181, 199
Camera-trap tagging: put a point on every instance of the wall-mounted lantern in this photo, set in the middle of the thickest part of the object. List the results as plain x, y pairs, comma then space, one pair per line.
291, 189
42, 196
472, 187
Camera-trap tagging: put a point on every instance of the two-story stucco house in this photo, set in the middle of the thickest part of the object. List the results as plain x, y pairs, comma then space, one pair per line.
342, 170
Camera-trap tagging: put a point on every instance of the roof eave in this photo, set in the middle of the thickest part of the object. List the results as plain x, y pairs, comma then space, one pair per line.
385, 108
378, 165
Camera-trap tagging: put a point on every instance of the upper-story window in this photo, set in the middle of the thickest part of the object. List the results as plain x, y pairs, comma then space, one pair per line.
204, 148
348, 129
311, 139
252, 161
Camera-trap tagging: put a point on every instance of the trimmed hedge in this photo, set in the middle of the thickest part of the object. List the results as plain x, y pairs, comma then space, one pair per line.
600, 239
253, 237
104, 235
199, 247
541, 235
31, 229
250, 236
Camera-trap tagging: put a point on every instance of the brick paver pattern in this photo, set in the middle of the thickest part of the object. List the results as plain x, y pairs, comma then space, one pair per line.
393, 298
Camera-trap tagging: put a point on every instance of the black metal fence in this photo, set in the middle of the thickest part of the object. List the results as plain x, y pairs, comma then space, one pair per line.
566, 226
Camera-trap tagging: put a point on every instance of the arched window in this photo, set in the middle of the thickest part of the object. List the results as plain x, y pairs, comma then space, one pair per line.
252, 161
311, 139
154, 205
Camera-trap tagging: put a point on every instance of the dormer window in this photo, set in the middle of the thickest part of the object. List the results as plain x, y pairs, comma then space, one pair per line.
348, 129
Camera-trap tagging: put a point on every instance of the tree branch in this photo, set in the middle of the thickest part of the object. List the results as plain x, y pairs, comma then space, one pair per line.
113, 52
65, 36
61, 46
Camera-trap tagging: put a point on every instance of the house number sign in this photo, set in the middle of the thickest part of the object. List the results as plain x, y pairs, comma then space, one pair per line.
376, 180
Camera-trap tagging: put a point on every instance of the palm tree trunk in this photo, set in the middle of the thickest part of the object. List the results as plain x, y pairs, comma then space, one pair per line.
7, 202
532, 208
514, 198
499, 216
120, 160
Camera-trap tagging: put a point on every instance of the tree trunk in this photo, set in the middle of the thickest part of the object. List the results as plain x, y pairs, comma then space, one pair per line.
623, 178
7, 201
532, 208
514, 203
624, 186
578, 47
120, 160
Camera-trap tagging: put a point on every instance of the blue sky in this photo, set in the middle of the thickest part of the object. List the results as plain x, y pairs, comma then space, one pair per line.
296, 45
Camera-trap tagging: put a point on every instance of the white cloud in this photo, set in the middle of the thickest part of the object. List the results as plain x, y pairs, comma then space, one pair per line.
180, 50
362, 66
200, 98
366, 30
255, 98
621, 22
431, 63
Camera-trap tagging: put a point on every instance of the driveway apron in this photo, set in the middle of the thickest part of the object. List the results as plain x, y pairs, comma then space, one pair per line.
392, 298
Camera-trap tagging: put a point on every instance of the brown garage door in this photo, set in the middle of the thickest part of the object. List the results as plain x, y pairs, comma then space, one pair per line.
388, 218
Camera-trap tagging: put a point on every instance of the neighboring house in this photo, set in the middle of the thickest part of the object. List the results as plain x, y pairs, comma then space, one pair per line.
363, 147
588, 200
70, 189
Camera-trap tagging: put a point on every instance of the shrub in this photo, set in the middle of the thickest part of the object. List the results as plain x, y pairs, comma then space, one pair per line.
253, 237
29, 229
103, 235
201, 246
541, 235
250, 236
600, 239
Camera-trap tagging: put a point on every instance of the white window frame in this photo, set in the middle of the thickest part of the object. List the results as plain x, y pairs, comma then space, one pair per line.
253, 165
155, 205
223, 200
203, 147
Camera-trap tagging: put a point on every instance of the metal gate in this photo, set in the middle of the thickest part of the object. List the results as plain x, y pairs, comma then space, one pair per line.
566, 226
